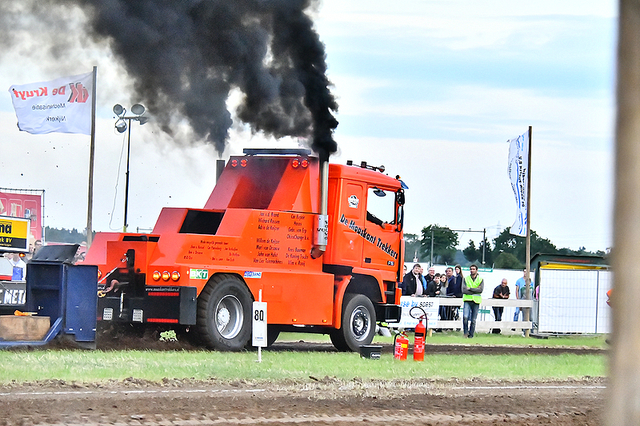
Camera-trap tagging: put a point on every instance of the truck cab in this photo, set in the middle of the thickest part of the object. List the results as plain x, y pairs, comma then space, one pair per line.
258, 236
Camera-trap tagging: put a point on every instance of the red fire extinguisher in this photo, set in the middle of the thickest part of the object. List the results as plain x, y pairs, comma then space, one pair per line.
420, 336
400, 346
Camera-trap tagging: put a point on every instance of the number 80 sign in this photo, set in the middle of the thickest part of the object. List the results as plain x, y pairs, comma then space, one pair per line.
259, 324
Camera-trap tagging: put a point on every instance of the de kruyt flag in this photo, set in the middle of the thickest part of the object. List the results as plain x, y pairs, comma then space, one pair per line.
61, 106
518, 174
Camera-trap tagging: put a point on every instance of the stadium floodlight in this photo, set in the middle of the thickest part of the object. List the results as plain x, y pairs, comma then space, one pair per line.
122, 124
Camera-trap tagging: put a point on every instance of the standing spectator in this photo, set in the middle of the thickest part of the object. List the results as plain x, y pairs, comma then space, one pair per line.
455, 287
519, 284
472, 288
446, 312
33, 249
424, 281
433, 288
448, 273
412, 282
19, 267
455, 290
523, 291
524, 296
500, 292
431, 275
444, 281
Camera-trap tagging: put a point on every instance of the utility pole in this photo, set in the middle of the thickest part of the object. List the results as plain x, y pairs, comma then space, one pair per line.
484, 243
484, 240
431, 251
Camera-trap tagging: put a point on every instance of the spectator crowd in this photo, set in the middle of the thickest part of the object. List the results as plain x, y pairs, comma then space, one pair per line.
454, 284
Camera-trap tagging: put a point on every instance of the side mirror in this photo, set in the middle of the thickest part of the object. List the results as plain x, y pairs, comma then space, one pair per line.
400, 218
379, 192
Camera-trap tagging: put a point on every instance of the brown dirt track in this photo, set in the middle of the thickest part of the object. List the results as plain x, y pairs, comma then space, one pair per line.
319, 401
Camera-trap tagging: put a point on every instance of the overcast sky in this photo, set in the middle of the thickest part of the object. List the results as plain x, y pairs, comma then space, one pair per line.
431, 89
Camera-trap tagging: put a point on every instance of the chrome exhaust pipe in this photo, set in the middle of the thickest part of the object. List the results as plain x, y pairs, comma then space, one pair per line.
321, 235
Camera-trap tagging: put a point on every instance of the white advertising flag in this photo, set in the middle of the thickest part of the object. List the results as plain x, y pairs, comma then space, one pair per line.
62, 105
518, 174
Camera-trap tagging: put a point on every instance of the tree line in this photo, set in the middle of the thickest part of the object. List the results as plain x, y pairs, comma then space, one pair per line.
506, 251
62, 235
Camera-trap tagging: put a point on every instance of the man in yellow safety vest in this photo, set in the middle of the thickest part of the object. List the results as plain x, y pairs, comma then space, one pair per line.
472, 288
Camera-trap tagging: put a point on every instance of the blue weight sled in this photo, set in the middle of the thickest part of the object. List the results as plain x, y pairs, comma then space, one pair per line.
64, 292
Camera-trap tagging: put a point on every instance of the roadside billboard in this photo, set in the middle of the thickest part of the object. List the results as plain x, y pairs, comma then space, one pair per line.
21, 204
14, 234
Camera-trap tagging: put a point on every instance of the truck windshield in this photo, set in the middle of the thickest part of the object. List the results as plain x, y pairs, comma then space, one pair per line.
381, 204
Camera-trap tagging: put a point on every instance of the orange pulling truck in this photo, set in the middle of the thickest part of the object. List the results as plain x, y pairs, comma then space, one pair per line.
323, 242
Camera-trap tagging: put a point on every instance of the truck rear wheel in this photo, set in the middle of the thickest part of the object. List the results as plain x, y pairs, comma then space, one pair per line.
224, 313
358, 323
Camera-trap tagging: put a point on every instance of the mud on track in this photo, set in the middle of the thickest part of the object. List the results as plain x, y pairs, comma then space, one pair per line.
317, 401
320, 402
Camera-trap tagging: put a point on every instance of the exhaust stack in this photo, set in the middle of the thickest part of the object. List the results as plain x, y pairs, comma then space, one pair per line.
321, 235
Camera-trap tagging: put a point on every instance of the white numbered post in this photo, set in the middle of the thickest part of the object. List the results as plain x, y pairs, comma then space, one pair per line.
259, 326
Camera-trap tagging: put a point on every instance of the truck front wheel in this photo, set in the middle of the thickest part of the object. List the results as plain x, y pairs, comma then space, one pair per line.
358, 323
224, 313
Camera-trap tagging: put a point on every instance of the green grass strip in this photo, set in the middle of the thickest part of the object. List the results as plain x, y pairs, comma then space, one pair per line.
511, 339
92, 366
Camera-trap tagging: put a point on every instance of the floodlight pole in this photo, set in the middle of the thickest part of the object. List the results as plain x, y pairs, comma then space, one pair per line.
138, 110
126, 191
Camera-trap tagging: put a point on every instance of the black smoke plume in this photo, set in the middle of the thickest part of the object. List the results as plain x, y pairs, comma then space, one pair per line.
186, 56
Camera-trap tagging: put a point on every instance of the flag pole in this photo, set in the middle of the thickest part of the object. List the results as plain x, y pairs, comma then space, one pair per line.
527, 311
92, 149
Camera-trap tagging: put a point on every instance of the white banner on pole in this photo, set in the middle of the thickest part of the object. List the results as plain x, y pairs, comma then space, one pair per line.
518, 174
61, 106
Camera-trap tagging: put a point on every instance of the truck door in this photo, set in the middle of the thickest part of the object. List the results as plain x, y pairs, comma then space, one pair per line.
346, 245
382, 250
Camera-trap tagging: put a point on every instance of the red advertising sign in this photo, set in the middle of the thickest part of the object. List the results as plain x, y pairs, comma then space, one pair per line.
25, 205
